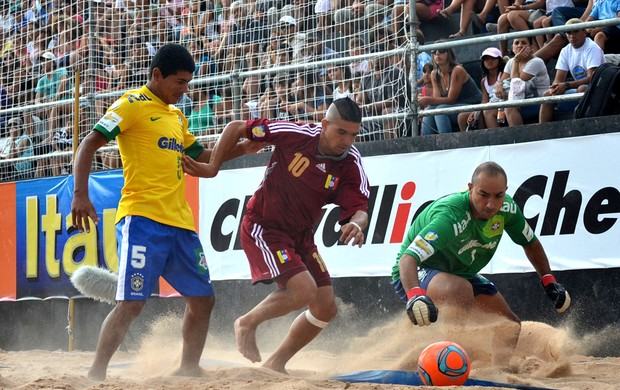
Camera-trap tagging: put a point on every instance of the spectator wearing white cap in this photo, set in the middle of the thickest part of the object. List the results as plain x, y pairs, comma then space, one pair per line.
287, 33
53, 85
17, 145
492, 64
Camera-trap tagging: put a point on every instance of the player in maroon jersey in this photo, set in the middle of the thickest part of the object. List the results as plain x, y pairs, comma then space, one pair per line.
312, 165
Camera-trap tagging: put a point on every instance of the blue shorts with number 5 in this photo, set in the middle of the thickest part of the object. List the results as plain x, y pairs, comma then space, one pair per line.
149, 249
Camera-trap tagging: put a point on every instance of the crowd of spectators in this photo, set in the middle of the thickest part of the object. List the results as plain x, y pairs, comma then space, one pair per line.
110, 42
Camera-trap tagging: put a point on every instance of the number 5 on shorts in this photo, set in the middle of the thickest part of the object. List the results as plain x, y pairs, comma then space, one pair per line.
138, 257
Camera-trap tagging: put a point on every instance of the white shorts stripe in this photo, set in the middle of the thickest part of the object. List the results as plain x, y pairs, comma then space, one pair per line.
122, 261
257, 235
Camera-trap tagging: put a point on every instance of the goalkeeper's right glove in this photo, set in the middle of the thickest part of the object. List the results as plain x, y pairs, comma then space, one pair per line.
420, 308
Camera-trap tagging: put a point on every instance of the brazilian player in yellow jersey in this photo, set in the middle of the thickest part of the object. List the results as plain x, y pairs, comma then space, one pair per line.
154, 223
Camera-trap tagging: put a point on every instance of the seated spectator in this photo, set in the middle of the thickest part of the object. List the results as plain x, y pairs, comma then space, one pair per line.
487, 17
425, 10
201, 59
201, 120
425, 90
136, 68
357, 47
423, 59
340, 76
519, 17
530, 69
311, 102
581, 57
547, 20
452, 86
381, 39
427, 83
53, 85
62, 142
315, 50
323, 13
382, 92
603, 10
258, 28
110, 159
467, 7
344, 31
286, 33
224, 107
276, 107
17, 145
559, 16
492, 65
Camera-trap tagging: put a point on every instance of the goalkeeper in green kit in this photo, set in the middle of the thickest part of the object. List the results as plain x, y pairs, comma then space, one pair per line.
453, 239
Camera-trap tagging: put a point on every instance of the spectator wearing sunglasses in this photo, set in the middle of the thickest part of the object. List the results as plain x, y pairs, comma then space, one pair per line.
452, 86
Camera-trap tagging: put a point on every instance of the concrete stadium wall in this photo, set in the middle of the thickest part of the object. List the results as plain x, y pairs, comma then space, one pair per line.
35, 324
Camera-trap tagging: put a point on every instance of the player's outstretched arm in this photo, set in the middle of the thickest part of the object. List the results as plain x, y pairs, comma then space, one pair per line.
420, 307
81, 207
554, 290
226, 148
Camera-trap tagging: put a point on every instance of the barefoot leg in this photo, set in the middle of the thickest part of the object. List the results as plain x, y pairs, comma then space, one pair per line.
245, 336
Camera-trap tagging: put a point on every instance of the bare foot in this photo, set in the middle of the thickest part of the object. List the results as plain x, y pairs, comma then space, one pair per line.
190, 371
275, 367
96, 374
246, 341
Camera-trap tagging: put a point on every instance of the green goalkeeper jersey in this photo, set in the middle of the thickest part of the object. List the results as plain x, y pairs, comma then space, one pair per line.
446, 237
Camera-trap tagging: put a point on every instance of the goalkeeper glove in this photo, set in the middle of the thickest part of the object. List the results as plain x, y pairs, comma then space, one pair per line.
420, 308
556, 292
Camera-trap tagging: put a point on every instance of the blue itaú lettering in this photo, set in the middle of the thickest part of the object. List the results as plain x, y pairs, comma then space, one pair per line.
170, 144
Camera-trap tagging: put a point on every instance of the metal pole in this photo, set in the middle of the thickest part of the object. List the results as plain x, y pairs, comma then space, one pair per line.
236, 92
414, 50
70, 319
76, 113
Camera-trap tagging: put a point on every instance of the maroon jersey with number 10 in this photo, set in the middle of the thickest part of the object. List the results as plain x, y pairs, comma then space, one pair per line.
299, 181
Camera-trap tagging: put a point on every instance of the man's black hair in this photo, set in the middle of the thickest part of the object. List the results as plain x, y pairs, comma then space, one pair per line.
348, 110
171, 59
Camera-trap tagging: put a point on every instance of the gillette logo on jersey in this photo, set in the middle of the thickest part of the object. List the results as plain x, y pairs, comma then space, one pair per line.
170, 144
332, 182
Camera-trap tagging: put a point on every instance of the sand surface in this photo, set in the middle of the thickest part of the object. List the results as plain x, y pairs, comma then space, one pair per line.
545, 357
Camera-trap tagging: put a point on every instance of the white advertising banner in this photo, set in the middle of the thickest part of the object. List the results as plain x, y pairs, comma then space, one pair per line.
569, 190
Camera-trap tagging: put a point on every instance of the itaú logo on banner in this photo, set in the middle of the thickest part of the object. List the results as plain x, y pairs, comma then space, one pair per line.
383, 202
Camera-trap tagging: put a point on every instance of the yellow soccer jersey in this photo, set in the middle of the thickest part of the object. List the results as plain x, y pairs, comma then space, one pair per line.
152, 136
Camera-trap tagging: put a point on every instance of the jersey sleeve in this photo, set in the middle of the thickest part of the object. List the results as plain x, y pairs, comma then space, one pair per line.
120, 116
280, 132
353, 196
431, 238
257, 130
195, 148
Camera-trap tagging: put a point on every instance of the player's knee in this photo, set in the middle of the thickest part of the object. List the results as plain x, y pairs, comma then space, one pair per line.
200, 307
321, 317
129, 309
457, 292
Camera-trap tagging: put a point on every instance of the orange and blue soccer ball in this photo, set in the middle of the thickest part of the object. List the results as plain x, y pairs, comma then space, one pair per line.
444, 363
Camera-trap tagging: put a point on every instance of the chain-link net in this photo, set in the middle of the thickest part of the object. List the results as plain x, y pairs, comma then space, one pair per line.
272, 46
